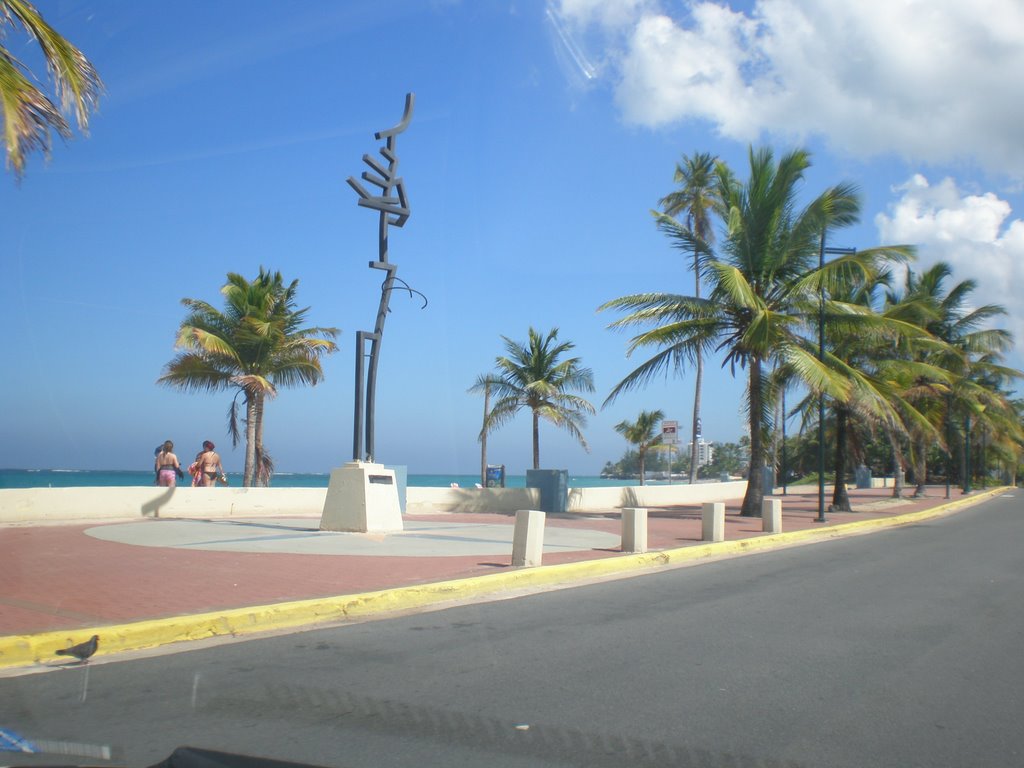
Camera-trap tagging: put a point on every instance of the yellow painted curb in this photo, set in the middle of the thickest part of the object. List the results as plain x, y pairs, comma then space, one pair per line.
22, 650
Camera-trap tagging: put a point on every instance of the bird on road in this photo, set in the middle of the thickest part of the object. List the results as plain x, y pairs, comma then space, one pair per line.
82, 651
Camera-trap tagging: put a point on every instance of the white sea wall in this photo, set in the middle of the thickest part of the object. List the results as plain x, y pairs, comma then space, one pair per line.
425, 501
41, 505
67, 505
617, 497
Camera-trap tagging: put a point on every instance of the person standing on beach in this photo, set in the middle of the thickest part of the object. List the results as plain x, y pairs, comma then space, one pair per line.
209, 467
167, 467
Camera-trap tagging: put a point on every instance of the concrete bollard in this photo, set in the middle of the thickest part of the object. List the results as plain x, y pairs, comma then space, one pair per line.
528, 537
713, 519
634, 529
771, 515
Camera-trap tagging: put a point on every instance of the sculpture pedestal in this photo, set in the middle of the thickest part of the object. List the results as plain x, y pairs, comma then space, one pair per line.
362, 498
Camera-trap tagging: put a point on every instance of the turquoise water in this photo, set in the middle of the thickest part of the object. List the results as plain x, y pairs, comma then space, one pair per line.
88, 478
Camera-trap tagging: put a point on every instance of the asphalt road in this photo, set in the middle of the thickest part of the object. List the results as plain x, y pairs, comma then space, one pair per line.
902, 648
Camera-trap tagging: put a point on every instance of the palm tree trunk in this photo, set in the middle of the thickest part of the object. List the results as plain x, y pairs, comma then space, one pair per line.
920, 467
536, 440
250, 439
754, 496
642, 453
840, 497
259, 474
483, 437
897, 465
696, 418
698, 382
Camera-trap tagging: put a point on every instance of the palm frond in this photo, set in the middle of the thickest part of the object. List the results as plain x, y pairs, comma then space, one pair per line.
28, 114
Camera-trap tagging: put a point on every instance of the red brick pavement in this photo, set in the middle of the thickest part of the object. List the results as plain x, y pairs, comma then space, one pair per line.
57, 577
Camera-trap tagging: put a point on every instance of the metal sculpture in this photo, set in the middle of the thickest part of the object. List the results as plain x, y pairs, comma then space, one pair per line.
393, 207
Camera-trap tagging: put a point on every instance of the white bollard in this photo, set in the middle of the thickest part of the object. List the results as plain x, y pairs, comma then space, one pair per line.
528, 537
634, 529
771, 515
713, 521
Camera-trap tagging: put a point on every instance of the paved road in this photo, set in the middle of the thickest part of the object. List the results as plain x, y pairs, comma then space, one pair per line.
901, 648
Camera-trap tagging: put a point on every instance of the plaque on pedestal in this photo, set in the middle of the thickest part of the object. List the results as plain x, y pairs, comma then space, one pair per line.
362, 498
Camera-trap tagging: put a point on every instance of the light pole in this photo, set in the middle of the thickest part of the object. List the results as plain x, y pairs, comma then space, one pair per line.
967, 454
949, 450
821, 358
984, 463
785, 465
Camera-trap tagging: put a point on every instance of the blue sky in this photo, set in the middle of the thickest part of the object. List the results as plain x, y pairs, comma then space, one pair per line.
543, 135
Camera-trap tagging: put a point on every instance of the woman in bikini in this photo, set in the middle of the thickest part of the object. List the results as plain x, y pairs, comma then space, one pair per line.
167, 466
209, 466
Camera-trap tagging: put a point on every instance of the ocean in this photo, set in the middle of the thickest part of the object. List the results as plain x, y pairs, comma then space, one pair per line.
90, 478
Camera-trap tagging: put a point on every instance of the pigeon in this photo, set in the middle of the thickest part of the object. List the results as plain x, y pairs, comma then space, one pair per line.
82, 651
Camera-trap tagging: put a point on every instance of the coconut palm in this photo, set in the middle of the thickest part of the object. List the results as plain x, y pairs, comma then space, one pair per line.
989, 410
484, 383
255, 345
969, 351
1000, 425
764, 294
29, 115
696, 198
535, 376
643, 434
865, 346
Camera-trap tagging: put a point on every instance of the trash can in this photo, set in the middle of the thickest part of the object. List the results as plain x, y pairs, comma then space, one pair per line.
862, 476
554, 488
769, 479
495, 475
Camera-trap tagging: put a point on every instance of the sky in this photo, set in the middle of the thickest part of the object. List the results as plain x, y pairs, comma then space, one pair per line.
544, 134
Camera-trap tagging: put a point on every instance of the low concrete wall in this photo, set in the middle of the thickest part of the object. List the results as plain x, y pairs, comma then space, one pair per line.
425, 501
37, 505
583, 499
41, 505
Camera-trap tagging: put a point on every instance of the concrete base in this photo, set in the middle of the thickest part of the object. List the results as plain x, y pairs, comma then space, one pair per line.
362, 498
528, 537
634, 529
713, 521
771, 515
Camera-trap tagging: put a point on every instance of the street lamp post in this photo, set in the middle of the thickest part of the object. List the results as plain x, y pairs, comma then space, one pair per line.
821, 358
949, 451
984, 462
967, 454
785, 464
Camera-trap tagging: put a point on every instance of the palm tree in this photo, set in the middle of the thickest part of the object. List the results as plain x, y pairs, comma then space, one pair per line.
988, 408
970, 349
255, 345
29, 114
642, 433
1001, 426
864, 346
533, 376
696, 198
483, 384
764, 294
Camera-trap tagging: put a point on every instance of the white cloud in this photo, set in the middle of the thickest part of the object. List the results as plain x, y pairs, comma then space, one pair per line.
934, 80
972, 232
614, 14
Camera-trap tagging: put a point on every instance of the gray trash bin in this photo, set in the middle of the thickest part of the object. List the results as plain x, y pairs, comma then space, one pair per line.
554, 488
